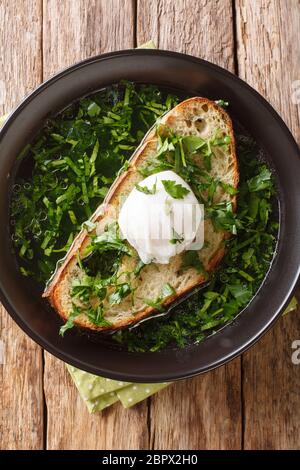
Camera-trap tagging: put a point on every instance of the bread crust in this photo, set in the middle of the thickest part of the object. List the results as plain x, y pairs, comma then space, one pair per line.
52, 292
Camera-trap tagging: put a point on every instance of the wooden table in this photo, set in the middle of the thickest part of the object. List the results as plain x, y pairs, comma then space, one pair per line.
251, 403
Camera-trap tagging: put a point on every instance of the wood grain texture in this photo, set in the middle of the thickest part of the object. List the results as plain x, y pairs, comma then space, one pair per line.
199, 413
70, 426
204, 412
268, 37
75, 30
268, 50
202, 28
21, 409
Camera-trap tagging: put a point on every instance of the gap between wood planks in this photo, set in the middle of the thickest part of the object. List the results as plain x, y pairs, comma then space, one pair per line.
236, 71
45, 410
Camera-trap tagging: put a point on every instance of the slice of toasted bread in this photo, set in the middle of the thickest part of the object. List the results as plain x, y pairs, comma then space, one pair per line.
195, 116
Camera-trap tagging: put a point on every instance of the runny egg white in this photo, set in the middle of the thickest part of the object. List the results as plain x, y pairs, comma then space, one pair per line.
158, 225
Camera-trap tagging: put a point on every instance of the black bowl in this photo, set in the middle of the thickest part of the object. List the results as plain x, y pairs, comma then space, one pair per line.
191, 76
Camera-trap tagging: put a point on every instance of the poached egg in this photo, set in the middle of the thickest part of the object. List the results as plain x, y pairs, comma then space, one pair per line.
158, 223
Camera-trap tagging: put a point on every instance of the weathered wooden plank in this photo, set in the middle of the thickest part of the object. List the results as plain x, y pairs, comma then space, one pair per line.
268, 37
74, 30
70, 426
203, 29
268, 48
204, 412
21, 409
199, 413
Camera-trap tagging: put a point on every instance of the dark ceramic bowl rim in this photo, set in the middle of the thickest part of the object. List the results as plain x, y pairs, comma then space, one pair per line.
186, 371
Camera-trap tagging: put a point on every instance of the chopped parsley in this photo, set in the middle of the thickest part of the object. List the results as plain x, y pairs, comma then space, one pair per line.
70, 322
249, 254
175, 190
67, 170
96, 316
109, 240
145, 189
261, 181
65, 174
166, 291
181, 154
223, 217
121, 291
191, 260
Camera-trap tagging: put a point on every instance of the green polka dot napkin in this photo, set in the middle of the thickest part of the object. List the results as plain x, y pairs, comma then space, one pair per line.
99, 393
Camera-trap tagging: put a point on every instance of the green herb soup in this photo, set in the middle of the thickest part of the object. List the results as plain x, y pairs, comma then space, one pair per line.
65, 174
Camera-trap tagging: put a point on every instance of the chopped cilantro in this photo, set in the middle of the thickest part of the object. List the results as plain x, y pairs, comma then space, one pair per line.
175, 190
139, 266
260, 181
70, 322
223, 217
145, 189
109, 240
96, 316
93, 109
66, 171
241, 292
122, 291
64, 175
243, 268
166, 291
191, 260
